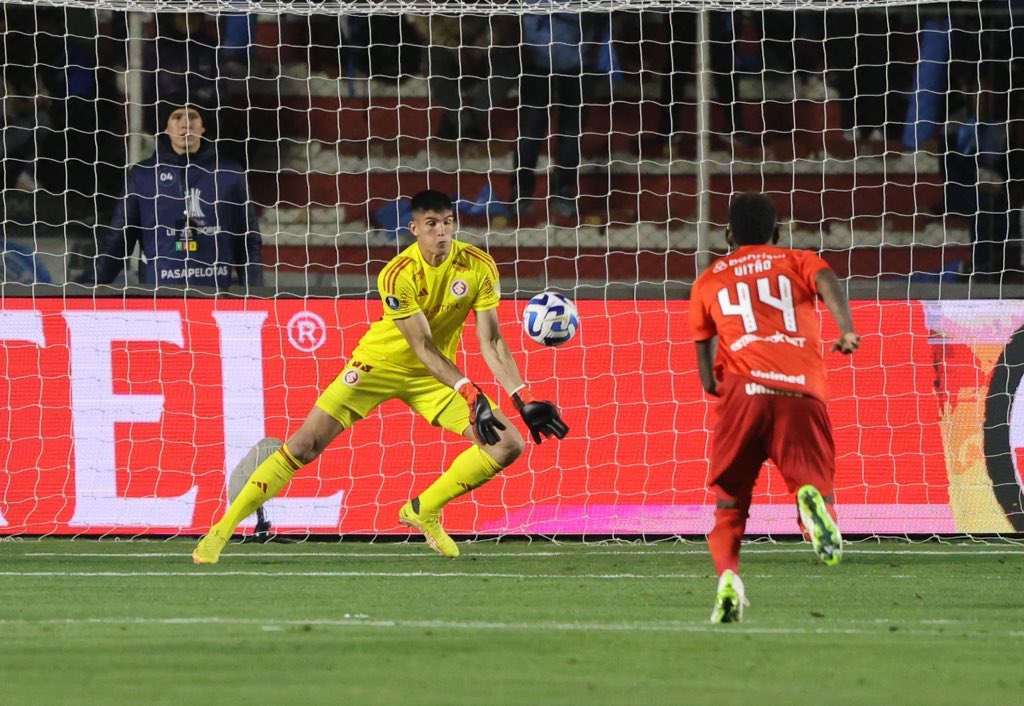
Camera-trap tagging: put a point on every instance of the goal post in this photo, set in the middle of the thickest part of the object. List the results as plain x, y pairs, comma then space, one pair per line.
592, 147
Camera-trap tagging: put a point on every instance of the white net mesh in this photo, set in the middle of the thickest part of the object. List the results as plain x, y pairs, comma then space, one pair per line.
456, 7
158, 321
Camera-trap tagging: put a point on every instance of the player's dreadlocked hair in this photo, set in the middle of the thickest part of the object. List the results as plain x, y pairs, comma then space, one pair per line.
430, 200
752, 219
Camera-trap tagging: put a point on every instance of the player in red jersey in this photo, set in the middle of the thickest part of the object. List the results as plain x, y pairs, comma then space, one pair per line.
757, 305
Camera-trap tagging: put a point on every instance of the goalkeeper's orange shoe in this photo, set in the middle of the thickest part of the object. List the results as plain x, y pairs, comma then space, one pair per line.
428, 524
209, 548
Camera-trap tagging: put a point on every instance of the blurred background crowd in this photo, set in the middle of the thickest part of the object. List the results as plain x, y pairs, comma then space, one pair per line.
538, 119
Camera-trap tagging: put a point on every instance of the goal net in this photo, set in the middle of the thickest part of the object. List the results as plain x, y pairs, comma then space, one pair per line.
161, 315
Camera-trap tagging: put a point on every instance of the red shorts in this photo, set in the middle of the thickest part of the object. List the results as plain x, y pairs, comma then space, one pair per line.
754, 425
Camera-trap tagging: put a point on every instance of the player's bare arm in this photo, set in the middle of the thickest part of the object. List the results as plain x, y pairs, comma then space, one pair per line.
542, 417
832, 294
496, 352
705, 365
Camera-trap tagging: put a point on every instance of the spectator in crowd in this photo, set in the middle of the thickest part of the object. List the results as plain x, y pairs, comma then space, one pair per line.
946, 74
60, 112
26, 123
776, 50
327, 44
561, 55
787, 50
864, 67
27, 101
181, 61
188, 210
238, 38
959, 109
983, 154
788, 46
472, 64
678, 74
86, 108
184, 60
383, 46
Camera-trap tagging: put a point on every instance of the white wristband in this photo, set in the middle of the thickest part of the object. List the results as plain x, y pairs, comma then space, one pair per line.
460, 384
521, 387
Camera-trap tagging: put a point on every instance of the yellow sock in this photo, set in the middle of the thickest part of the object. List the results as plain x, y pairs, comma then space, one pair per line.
266, 482
470, 469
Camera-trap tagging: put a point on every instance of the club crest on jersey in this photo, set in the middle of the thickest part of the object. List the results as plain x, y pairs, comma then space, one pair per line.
393, 303
459, 288
351, 377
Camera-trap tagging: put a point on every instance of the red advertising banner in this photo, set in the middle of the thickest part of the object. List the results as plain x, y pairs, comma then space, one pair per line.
125, 417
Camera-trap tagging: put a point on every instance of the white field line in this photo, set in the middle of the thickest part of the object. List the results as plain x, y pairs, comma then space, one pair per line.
623, 552
521, 626
205, 573
213, 573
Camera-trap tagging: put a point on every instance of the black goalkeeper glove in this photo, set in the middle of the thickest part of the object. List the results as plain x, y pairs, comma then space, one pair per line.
540, 417
481, 416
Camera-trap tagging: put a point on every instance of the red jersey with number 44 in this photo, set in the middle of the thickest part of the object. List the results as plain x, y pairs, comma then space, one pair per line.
760, 300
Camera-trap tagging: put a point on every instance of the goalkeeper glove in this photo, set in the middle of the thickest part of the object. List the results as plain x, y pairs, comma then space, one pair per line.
481, 416
540, 417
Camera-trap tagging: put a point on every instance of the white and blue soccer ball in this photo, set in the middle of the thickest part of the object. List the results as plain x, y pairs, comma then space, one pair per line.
550, 319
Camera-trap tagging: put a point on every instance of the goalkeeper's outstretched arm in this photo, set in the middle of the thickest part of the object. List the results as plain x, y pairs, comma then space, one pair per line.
496, 352
541, 417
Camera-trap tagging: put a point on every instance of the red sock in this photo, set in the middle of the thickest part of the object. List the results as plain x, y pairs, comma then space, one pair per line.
724, 540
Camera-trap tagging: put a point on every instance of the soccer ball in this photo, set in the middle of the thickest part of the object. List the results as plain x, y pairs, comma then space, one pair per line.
550, 319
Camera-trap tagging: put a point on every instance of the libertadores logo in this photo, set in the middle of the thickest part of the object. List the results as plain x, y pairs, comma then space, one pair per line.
1004, 430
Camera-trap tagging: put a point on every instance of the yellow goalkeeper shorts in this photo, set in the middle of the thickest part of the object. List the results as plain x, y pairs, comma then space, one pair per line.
361, 387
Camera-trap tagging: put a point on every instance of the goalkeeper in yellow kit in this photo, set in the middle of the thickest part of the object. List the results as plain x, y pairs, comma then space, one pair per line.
428, 291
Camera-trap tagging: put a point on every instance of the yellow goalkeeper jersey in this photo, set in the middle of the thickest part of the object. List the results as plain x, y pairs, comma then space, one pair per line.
466, 280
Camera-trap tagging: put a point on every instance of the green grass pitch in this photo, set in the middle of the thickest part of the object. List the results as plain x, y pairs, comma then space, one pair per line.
511, 622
